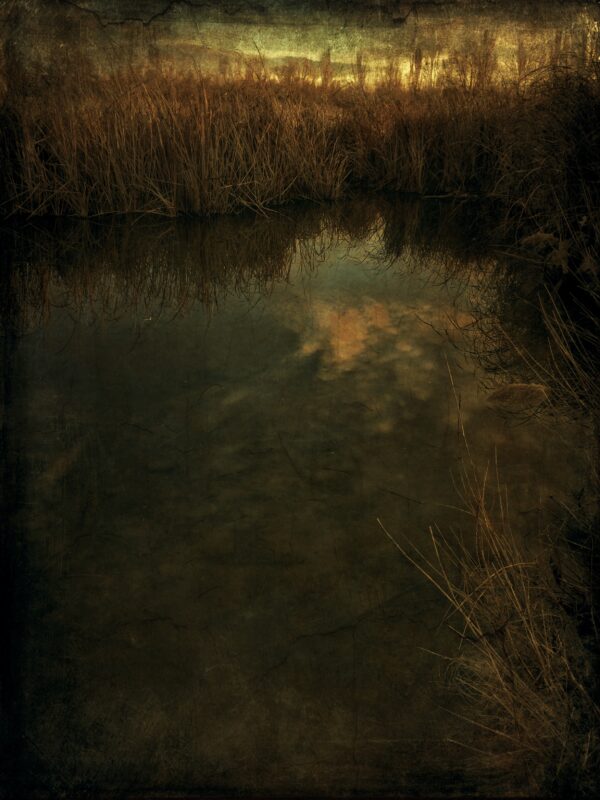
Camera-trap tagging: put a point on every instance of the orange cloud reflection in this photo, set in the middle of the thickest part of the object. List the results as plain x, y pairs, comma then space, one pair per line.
344, 334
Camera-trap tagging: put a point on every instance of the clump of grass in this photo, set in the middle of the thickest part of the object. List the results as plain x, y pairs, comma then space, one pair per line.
523, 613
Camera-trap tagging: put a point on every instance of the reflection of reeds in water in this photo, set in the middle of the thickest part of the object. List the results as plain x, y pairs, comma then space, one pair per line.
523, 611
118, 264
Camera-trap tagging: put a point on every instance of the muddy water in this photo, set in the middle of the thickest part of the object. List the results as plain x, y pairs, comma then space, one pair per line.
210, 601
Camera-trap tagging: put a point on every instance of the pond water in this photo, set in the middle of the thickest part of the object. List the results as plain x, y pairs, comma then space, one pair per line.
204, 422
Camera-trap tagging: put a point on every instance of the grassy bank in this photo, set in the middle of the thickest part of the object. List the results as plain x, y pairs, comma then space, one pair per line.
523, 610
77, 142
524, 597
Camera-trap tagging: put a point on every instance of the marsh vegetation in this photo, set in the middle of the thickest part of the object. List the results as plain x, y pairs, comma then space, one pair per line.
78, 141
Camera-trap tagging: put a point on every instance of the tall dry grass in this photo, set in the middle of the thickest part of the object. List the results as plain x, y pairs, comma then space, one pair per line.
74, 141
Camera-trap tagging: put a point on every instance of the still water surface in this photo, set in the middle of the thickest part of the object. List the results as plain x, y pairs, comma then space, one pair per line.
211, 602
